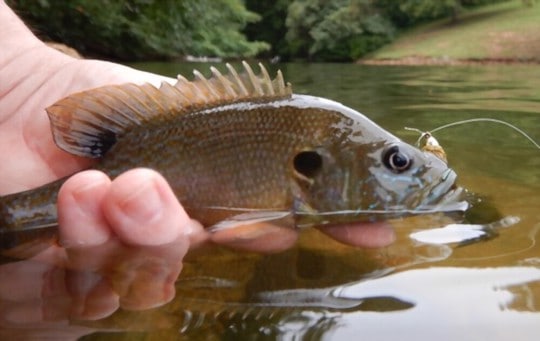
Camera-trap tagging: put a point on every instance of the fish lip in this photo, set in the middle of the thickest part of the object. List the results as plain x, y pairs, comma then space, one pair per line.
448, 180
445, 196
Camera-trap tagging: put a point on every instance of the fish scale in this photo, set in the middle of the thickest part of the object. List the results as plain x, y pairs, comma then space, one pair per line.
255, 171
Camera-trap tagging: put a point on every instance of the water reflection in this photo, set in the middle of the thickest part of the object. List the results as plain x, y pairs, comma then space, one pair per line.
450, 304
45, 296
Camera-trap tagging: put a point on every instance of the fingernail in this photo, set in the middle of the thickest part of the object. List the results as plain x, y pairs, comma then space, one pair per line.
87, 190
79, 210
140, 210
259, 237
143, 210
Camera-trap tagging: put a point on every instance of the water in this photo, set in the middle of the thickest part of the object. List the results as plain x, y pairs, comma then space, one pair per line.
484, 288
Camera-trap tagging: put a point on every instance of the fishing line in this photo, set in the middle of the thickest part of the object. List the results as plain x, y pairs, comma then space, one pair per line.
531, 235
480, 119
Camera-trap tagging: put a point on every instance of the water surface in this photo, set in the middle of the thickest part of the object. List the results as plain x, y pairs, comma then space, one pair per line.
482, 289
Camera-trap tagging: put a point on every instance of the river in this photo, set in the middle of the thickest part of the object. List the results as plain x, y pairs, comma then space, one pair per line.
417, 289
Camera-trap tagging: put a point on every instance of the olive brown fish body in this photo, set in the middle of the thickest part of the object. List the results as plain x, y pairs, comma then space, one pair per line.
238, 149
241, 158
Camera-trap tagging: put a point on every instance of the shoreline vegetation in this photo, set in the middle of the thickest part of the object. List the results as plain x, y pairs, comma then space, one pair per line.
367, 32
445, 61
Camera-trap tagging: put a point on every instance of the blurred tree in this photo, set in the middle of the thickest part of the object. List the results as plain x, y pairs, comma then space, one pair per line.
419, 10
144, 29
335, 30
271, 28
405, 13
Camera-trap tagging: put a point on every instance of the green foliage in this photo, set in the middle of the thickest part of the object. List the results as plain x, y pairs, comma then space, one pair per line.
326, 30
271, 28
405, 13
335, 30
144, 29
418, 10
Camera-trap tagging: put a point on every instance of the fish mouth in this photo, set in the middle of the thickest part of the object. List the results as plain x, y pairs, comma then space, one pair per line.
452, 201
445, 196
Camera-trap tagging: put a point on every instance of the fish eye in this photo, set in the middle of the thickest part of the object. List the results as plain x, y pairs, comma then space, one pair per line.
396, 160
308, 163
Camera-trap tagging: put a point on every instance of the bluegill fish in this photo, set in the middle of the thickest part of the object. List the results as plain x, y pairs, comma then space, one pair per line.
242, 148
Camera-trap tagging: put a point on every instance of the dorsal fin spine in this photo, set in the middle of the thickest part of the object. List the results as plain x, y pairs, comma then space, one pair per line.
253, 79
280, 82
224, 82
116, 114
267, 80
153, 94
143, 101
204, 82
237, 79
184, 85
135, 117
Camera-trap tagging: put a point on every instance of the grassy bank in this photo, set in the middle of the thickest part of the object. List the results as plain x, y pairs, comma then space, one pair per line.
506, 32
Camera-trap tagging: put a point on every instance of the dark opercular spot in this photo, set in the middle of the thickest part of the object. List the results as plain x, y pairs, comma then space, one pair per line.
396, 160
308, 163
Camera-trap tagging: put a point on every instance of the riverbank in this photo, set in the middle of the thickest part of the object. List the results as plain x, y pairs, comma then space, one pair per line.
506, 33
421, 60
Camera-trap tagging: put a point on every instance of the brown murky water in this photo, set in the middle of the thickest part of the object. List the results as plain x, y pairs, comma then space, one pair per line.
420, 288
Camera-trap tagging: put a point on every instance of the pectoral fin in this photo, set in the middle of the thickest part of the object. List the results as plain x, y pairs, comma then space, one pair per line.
281, 218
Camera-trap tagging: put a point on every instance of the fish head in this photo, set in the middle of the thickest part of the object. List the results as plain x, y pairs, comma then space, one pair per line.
370, 182
413, 181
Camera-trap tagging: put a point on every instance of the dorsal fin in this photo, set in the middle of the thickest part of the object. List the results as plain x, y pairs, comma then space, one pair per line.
88, 123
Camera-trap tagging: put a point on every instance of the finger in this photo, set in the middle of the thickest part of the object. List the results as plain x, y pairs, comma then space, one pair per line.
92, 296
144, 277
33, 292
26, 280
140, 277
151, 285
260, 237
80, 218
142, 209
368, 235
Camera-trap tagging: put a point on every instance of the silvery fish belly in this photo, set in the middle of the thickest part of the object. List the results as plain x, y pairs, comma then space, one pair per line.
240, 148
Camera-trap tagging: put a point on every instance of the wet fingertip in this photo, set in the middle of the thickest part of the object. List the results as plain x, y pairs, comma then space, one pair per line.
142, 209
196, 233
367, 235
81, 220
148, 283
92, 297
260, 238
